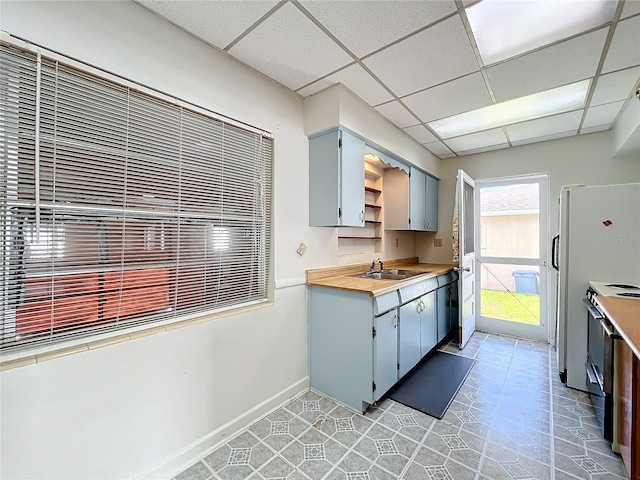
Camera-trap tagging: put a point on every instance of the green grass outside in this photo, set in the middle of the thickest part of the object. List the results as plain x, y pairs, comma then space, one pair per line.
516, 307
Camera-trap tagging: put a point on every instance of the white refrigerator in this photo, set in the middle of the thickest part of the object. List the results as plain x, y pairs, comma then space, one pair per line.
598, 240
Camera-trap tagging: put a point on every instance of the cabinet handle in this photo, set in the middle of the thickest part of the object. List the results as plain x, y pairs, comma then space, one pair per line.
395, 321
362, 216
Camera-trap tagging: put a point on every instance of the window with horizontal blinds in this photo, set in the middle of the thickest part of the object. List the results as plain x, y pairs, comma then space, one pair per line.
121, 209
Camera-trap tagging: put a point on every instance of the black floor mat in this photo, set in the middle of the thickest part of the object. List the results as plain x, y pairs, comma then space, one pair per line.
431, 387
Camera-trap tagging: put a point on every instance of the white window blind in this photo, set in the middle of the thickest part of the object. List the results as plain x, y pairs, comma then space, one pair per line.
121, 209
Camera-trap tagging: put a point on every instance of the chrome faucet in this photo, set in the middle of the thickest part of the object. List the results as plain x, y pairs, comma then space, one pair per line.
373, 265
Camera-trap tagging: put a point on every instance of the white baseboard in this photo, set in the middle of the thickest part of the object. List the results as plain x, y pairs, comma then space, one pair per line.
186, 457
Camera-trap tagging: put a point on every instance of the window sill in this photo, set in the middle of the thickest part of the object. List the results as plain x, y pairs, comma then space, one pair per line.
50, 352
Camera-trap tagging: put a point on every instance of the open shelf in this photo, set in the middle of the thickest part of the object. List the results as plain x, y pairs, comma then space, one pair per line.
362, 238
372, 205
373, 190
374, 222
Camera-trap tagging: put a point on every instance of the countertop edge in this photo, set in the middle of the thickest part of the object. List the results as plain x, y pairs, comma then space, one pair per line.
617, 323
385, 286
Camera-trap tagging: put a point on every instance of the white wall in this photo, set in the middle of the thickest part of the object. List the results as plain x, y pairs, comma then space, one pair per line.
583, 159
122, 410
626, 131
586, 159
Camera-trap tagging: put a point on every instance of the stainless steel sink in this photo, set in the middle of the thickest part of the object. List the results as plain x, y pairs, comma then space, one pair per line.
390, 274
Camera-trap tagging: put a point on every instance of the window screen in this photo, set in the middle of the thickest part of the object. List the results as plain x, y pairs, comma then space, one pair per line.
121, 209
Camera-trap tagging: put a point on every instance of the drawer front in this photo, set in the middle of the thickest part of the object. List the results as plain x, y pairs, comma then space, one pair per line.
417, 290
386, 302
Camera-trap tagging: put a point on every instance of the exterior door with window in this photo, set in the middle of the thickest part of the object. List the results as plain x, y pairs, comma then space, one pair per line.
466, 254
511, 254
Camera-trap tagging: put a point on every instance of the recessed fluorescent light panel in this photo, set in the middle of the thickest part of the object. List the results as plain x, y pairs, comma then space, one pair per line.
503, 29
557, 100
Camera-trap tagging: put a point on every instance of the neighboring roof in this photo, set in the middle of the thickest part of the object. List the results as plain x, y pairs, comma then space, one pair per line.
509, 200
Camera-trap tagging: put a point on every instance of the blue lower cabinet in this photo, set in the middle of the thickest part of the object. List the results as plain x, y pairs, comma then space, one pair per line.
385, 348
360, 346
409, 351
444, 320
352, 345
428, 323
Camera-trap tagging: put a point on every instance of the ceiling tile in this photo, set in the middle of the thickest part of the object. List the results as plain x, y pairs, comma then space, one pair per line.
365, 26
631, 7
438, 148
290, 48
466, 93
484, 149
564, 63
602, 114
599, 128
447, 155
544, 138
315, 87
615, 86
217, 23
356, 79
542, 127
433, 56
624, 51
399, 115
477, 140
420, 133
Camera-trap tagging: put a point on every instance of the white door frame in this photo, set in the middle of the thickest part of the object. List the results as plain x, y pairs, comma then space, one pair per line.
533, 332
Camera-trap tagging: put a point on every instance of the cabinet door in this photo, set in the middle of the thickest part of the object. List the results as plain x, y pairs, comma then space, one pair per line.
428, 323
324, 179
336, 180
409, 336
452, 291
385, 349
351, 180
417, 200
431, 203
444, 320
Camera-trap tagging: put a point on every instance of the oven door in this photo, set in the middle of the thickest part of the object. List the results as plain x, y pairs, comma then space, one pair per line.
599, 368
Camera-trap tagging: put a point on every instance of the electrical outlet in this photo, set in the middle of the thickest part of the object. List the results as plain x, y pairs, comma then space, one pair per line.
437, 242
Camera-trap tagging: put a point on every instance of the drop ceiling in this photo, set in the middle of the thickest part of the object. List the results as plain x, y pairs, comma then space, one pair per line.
417, 62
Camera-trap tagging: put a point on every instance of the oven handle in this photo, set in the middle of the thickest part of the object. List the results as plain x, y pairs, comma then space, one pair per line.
609, 330
593, 311
593, 378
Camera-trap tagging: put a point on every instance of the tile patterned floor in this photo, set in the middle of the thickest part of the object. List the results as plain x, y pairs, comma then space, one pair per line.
512, 419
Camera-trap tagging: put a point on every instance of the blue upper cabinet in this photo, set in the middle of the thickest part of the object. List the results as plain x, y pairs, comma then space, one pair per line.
411, 200
417, 202
431, 204
336, 179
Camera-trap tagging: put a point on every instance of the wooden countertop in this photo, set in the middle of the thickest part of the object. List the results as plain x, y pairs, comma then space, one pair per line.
346, 277
624, 314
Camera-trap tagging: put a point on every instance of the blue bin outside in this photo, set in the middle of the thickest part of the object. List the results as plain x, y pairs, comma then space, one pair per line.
526, 281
